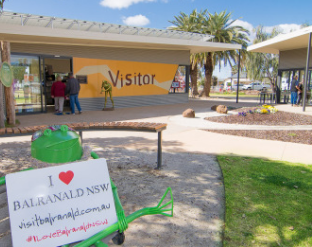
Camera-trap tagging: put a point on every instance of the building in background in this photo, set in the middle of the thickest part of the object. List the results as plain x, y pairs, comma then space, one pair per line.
144, 66
295, 58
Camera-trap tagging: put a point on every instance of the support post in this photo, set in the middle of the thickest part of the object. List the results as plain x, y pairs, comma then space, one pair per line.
238, 75
306, 74
159, 151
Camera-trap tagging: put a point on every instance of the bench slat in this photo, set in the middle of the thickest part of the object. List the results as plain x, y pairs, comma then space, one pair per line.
144, 126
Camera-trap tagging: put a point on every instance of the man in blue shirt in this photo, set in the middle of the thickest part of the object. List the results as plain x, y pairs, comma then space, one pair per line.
293, 90
73, 88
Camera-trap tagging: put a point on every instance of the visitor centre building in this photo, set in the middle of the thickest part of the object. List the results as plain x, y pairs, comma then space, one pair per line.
145, 66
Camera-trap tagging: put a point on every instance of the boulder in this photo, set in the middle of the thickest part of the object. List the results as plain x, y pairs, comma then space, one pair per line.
190, 113
222, 109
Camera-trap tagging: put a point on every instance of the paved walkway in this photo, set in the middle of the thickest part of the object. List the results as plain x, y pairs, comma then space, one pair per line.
184, 135
189, 165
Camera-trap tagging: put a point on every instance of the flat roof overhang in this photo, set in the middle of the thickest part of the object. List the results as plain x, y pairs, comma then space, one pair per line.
43, 35
290, 41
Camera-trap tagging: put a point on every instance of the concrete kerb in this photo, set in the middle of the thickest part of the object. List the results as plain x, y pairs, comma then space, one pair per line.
199, 122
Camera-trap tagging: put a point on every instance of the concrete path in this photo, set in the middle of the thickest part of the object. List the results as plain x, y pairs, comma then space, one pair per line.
188, 159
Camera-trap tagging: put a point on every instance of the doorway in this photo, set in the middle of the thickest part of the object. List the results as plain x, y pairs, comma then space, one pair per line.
287, 77
52, 67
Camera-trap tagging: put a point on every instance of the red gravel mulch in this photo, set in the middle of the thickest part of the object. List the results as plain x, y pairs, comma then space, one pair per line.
279, 118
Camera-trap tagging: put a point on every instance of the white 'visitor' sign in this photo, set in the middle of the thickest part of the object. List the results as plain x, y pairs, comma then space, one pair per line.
58, 205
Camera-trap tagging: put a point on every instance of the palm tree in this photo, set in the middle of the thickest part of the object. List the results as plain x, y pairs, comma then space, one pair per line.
2, 124
263, 65
190, 23
223, 29
1, 4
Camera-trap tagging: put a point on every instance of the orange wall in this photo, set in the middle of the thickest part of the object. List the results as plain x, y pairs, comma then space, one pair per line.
126, 78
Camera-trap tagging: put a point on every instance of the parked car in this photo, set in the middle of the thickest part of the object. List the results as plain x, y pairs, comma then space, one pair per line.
240, 87
255, 86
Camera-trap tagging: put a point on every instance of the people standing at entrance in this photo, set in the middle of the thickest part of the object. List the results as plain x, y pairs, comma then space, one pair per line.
58, 94
300, 91
293, 90
73, 88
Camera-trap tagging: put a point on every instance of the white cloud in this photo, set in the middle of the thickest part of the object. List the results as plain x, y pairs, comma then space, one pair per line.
120, 4
247, 26
282, 28
137, 20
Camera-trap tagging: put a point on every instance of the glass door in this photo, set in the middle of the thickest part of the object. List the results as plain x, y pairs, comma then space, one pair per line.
27, 87
285, 86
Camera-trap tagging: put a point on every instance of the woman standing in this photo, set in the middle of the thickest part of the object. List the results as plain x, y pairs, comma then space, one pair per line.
58, 93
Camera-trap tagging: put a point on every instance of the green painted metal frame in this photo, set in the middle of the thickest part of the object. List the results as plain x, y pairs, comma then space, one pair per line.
162, 208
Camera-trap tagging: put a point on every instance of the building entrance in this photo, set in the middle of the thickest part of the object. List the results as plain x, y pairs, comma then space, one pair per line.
54, 67
286, 78
33, 78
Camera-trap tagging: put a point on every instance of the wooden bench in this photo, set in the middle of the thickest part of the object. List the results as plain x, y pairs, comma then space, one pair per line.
5, 236
96, 126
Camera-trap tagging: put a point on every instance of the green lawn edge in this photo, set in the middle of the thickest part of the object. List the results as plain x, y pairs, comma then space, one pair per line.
267, 203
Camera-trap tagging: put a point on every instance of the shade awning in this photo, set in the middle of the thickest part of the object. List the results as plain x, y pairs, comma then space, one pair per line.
283, 42
26, 28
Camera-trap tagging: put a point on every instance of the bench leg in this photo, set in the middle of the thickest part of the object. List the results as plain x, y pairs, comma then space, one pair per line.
159, 151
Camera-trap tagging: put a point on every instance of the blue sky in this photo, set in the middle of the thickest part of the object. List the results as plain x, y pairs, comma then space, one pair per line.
287, 15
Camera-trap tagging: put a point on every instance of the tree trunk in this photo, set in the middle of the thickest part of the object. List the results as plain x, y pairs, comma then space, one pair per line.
8, 91
2, 125
193, 72
208, 73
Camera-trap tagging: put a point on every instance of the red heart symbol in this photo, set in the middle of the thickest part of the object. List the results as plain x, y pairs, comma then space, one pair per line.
66, 177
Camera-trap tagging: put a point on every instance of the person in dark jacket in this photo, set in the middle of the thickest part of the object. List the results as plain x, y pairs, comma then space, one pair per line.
58, 94
293, 90
73, 88
300, 91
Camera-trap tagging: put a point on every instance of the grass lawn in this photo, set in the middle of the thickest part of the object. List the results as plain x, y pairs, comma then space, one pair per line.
268, 203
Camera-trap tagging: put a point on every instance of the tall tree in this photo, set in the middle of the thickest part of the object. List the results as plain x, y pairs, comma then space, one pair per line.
190, 23
8, 91
222, 27
263, 65
1, 4
2, 125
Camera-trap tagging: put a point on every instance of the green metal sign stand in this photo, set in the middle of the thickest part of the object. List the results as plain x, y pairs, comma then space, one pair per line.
44, 142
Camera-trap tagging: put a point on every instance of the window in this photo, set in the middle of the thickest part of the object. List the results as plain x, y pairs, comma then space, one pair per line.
26, 83
179, 83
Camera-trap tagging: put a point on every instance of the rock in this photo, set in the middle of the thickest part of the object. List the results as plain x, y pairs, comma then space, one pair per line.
214, 107
190, 113
221, 109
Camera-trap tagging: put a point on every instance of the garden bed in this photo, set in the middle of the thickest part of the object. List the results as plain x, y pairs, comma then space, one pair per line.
279, 118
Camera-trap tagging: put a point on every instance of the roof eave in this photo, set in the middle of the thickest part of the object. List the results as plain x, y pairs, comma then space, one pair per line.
31, 34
